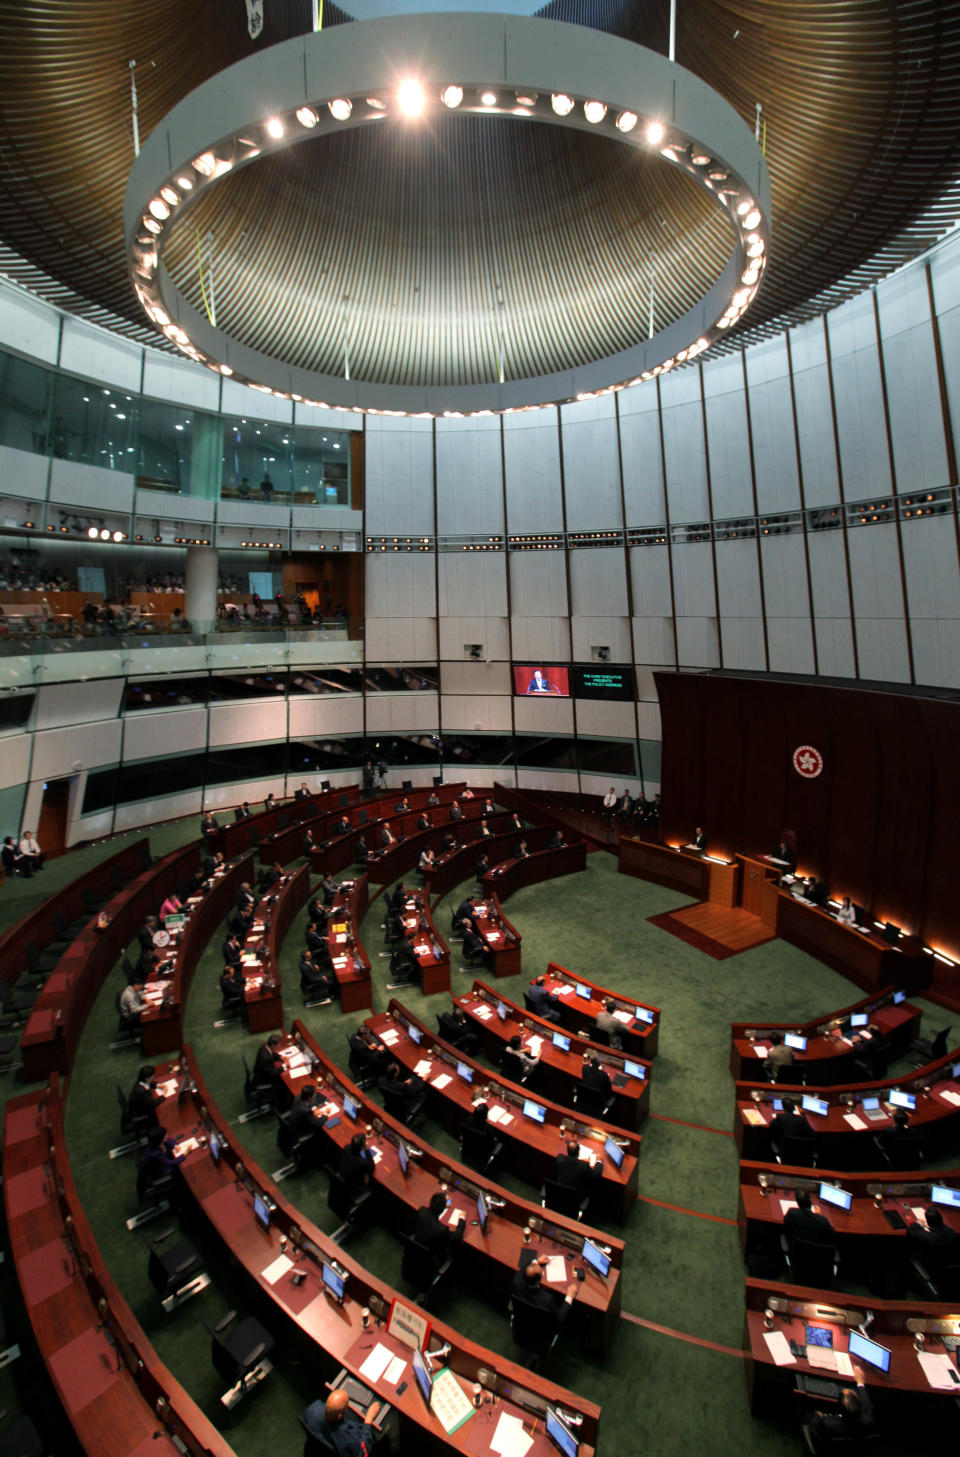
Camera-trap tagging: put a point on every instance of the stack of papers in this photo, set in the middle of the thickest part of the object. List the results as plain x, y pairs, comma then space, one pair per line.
937, 1368
625, 1017
280, 1266
535, 1043
567, 991
555, 1272
423, 1067
754, 1117
779, 1348
496, 1114
854, 1121
761, 1049
376, 1363
949, 1096
844, 1364
442, 1080
510, 1439
483, 1012
821, 1359
390, 1036
786, 1205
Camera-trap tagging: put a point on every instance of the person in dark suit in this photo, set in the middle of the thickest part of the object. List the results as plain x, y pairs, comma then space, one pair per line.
900, 1143
456, 813
404, 966
464, 911
481, 867
789, 1124
316, 942
854, 1418
425, 822
303, 1119
387, 838
208, 825
595, 1077
367, 1053
516, 823
242, 812
402, 806
309, 843
699, 841
473, 943
431, 1232
804, 1224
210, 864
543, 1002
448, 843
528, 1060
520, 850
433, 799
356, 1164
302, 793
817, 892
409, 1091
232, 986
317, 915
268, 1067
343, 1434
145, 936
485, 831
231, 951
527, 1286
573, 1172
933, 1244
159, 1161
275, 874
785, 853
245, 900
625, 807
270, 802
342, 826
455, 1029
360, 852
488, 808
315, 984
397, 897
557, 841
143, 1098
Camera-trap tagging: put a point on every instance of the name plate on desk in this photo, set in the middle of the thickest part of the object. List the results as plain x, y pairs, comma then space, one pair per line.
409, 1325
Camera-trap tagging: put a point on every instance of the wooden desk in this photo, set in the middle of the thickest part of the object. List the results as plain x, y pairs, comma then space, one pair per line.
328, 1335
366, 819
430, 949
263, 994
487, 1261
688, 874
512, 875
530, 1148
640, 1031
403, 857
869, 961
455, 866
832, 1045
501, 938
759, 881
559, 1073
901, 1399
843, 1145
116, 1393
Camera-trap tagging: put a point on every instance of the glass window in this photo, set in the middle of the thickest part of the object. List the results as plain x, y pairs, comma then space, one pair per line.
402, 678
93, 424
321, 467
326, 680
651, 751
231, 686
100, 790
157, 693
315, 756
257, 460
15, 709
25, 391
417, 749
539, 751
179, 450
254, 761
608, 756
174, 775
460, 750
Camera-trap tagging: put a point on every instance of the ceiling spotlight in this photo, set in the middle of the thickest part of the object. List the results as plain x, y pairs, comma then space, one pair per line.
152, 226
118, 536
655, 134
159, 208
594, 111
376, 104
186, 183
205, 164
274, 128
92, 532
340, 109
226, 370
104, 534
744, 207
752, 219
489, 98
755, 249
172, 197
626, 121
562, 104
410, 98
699, 159
307, 117
451, 96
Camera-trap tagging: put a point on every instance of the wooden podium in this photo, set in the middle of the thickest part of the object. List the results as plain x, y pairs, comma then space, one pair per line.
759, 883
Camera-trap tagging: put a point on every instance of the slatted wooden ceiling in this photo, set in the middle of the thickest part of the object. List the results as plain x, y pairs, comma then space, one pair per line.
861, 101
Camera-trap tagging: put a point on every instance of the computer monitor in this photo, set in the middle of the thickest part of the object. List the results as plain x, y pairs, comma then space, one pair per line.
819, 1335
261, 1210
414, 1034
483, 1213
350, 1108
402, 1158
955, 1072
333, 1280
422, 1373
634, 1069
810, 1104
941, 1194
583, 991
533, 1110
840, 1198
643, 1014
794, 1040
560, 1041
215, 1147
560, 1436
613, 1151
859, 1019
595, 1258
870, 1103
903, 1100
501, 1012
464, 1072
778, 1105
861, 1349
899, 997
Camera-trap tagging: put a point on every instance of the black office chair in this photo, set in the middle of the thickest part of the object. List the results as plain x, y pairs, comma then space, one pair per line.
796, 1152
353, 1207
405, 1110
363, 1069
232, 1003
298, 1150
9, 1042
314, 1446
944, 1286
564, 1199
15, 1006
479, 1148
903, 1149
592, 1102
257, 1092
528, 1004
595, 1034
20, 1438
171, 1270
858, 1446
421, 1269
132, 1125
929, 1049
41, 961
476, 960
144, 856
283, 820
91, 902
809, 1263
240, 1355
533, 1329
511, 1066
159, 1193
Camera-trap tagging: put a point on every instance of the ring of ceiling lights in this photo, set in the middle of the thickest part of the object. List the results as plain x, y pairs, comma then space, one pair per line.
397, 71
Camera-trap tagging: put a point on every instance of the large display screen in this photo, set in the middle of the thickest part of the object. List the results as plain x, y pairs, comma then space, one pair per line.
614, 684
542, 680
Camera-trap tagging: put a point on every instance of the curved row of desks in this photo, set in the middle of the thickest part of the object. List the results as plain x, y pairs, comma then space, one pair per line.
581, 1002
458, 865
530, 1147
560, 1071
351, 964
329, 1334
488, 1260
260, 963
833, 1043
117, 1394
293, 815
546, 864
365, 821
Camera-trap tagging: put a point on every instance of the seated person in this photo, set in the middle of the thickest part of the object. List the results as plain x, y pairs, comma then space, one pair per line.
387, 837
426, 861
231, 955
433, 799
404, 966
270, 802
789, 1124
13, 862
316, 942
455, 1029
360, 852
275, 874
466, 792
132, 1001
304, 1119
805, 1224
232, 985
303, 792
456, 813
528, 1287
342, 826
245, 900
520, 850
573, 1172
485, 831
557, 841
595, 1077
488, 808
543, 1002
853, 1419
402, 806
268, 1066
482, 866
30, 850
331, 889
815, 891
208, 825
431, 1232
478, 1126
608, 1023
528, 1060
933, 1244
309, 843
159, 1162
210, 864
473, 943
425, 822
464, 911
397, 897
356, 1164
146, 934
317, 915
846, 915
448, 843
900, 1143
315, 983
780, 1055
516, 823
625, 807
143, 1098
242, 812
330, 1423
367, 1053
408, 1091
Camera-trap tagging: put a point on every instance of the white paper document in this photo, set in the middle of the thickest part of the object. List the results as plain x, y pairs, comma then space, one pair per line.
441, 1080
786, 1204
390, 1036
936, 1368
854, 1121
779, 1348
624, 1017
423, 1067
483, 1012
394, 1371
377, 1362
509, 1439
566, 991
844, 1364
535, 1044
761, 1048
555, 1272
949, 1096
496, 1114
280, 1266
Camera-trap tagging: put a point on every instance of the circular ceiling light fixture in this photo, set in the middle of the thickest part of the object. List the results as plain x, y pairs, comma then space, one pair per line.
342, 78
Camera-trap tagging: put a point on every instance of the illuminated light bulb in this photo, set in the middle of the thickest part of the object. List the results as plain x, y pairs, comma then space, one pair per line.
340, 108
104, 535
226, 370
205, 163
410, 98
725, 322
739, 299
594, 111
751, 275
655, 133
274, 128
752, 219
744, 207
307, 117
451, 96
755, 249
489, 98
626, 121
562, 104
92, 532
159, 208
186, 183
118, 536
520, 111
526, 98
170, 195
152, 226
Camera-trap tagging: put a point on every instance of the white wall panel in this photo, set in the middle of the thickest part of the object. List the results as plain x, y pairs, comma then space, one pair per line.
600, 632
642, 455
933, 596
165, 377
403, 585
646, 684
543, 715
913, 389
14, 760
945, 276
401, 639
653, 622
596, 720
57, 751
831, 604
683, 446
96, 354
77, 702
727, 437
399, 477
538, 584
859, 399
878, 603
472, 583
492, 634
741, 617
163, 807
322, 717
149, 735
598, 582
240, 399
771, 422
648, 721
811, 384
591, 467
531, 447
90, 487
316, 419
543, 639
247, 723
547, 779
402, 713
789, 633
469, 477
483, 678
698, 643
476, 713
27, 325
252, 790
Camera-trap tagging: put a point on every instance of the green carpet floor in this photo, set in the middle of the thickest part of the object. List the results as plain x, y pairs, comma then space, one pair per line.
682, 1272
